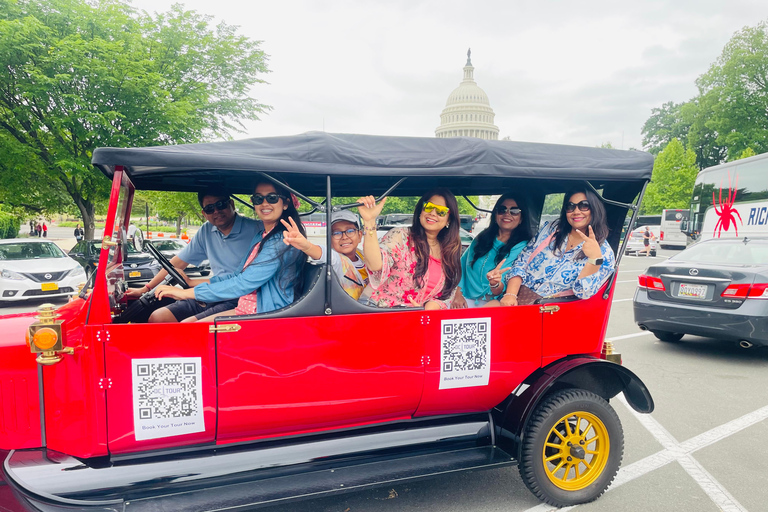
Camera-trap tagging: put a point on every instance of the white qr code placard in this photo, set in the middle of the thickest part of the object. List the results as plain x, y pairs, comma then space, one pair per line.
465, 353
167, 397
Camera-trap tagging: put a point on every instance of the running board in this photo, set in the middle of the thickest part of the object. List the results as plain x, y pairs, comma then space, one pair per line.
259, 473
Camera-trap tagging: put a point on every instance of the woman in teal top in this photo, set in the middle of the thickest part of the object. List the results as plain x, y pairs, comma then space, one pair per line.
492, 253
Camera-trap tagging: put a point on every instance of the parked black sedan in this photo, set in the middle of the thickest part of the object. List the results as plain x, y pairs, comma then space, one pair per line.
716, 288
170, 248
139, 267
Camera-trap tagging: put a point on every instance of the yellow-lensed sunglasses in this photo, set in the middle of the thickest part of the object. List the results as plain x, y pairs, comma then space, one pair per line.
442, 211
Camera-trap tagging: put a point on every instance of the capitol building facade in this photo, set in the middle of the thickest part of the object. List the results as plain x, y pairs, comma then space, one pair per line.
468, 112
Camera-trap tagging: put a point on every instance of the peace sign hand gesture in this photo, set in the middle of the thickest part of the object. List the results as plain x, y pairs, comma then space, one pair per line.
292, 236
494, 276
590, 248
369, 210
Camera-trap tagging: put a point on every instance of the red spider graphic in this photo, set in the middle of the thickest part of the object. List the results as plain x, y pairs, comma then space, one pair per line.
726, 210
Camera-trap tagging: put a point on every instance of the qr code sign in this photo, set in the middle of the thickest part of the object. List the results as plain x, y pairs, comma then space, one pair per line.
167, 397
465, 349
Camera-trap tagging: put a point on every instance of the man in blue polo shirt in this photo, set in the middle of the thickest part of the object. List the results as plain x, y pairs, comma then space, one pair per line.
223, 240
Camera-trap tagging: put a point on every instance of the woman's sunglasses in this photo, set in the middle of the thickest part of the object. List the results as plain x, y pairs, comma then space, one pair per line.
503, 210
583, 206
271, 198
218, 205
442, 211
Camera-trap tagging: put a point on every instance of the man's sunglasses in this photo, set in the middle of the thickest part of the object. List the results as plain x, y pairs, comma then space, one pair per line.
503, 210
271, 198
442, 211
583, 206
218, 205
338, 234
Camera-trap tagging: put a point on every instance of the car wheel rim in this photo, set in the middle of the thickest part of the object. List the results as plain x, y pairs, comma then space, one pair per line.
576, 451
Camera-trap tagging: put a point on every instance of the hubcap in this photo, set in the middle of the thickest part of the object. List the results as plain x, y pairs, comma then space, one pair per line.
576, 451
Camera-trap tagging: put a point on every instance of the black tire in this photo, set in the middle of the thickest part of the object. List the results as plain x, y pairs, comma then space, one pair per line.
552, 423
669, 337
653, 253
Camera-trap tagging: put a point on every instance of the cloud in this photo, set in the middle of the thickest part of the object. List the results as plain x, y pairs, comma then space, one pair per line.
554, 71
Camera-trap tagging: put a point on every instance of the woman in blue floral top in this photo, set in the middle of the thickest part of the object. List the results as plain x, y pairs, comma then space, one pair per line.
568, 256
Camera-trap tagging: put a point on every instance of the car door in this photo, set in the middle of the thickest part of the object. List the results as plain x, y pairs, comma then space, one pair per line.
292, 375
475, 357
160, 385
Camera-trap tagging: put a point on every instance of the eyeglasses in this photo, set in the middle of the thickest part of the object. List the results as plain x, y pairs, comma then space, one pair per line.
503, 210
583, 206
337, 235
271, 198
218, 205
441, 211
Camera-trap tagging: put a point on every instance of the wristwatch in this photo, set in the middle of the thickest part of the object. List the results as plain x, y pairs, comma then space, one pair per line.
595, 261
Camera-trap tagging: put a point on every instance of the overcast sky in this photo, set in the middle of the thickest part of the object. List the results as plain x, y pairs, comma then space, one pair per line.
560, 71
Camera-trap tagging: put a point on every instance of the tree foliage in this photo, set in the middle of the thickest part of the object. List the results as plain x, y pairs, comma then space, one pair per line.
78, 75
674, 173
730, 112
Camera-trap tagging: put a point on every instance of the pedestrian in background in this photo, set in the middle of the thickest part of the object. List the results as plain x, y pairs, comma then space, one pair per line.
45, 230
31, 228
38, 230
79, 233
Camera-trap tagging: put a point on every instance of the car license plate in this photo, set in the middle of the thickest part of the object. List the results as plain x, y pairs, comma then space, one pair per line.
692, 291
47, 287
135, 273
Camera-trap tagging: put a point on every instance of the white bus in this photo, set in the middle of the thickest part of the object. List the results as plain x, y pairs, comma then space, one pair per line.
670, 233
730, 200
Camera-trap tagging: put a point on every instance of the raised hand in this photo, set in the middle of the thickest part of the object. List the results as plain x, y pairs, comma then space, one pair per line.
369, 209
590, 248
292, 236
494, 276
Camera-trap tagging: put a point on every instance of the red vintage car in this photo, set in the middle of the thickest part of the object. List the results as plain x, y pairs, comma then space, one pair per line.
109, 413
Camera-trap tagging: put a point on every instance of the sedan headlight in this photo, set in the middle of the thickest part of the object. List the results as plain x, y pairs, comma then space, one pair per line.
77, 271
10, 274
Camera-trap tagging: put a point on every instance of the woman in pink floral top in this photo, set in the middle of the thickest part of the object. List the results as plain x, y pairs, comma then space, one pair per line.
419, 265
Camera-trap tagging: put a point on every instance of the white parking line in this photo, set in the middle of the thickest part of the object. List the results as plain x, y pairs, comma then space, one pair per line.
621, 300
627, 336
681, 452
628, 281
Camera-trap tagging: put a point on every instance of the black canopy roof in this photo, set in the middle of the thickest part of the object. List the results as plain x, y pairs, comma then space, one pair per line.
375, 162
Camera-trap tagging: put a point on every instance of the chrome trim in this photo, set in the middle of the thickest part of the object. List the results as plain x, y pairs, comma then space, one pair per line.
702, 279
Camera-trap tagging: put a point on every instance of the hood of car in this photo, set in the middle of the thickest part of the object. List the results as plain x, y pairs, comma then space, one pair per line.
39, 265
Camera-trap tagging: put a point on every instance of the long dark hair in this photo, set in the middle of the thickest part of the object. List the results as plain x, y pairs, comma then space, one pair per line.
287, 257
449, 239
599, 222
484, 241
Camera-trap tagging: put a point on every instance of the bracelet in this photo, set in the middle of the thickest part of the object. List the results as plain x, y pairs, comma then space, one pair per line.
512, 294
145, 286
369, 230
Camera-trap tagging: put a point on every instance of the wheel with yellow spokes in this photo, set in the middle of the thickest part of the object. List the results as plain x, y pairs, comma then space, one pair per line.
572, 448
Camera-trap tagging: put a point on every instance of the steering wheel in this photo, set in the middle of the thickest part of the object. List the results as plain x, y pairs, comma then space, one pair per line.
141, 245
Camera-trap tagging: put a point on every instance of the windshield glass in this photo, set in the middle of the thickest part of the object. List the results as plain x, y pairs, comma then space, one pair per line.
167, 245
30, 251
731, 253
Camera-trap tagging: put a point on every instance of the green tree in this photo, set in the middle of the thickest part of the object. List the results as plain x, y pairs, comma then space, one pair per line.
175, 206
674, 173
736, 88
666, 123
81, 74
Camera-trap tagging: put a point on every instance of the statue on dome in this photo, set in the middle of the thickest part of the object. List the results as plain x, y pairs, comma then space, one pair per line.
469, 54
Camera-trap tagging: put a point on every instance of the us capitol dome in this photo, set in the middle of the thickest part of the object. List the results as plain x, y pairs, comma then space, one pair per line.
468, 112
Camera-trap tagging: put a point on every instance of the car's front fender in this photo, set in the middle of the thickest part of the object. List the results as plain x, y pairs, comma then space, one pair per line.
601, 377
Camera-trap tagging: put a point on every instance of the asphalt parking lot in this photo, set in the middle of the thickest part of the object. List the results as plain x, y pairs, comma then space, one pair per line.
703, 448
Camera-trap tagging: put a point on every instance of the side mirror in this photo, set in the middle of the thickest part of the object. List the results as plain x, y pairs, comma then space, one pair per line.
138, 240
683, 225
